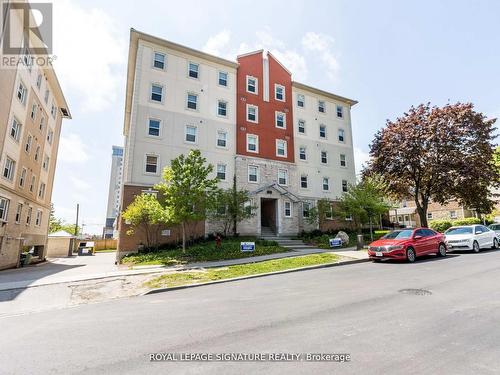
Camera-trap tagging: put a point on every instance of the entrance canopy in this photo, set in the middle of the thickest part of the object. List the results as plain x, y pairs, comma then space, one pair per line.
279, 189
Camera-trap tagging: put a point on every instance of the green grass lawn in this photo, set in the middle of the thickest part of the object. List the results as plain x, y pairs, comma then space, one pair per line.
212, 274
202, 252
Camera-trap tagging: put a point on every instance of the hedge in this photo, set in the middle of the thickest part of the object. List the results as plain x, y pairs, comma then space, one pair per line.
442, 225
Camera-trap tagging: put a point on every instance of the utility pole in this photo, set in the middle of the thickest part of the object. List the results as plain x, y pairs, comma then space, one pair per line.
77, 213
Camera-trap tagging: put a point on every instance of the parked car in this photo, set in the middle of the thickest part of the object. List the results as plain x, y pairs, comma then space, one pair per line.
495, 228
471, 237
408, 244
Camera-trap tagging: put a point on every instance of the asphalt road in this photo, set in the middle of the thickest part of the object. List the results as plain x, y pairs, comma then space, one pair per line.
451, 327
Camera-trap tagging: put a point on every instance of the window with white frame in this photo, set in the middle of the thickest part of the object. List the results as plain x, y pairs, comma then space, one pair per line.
19, 213
253, 173
223, 79
252, 143
221, 138
46, 97
221, 172
34, 109
429, 215
193, 70
302, 126
42, 123
281, 148
322, 131
329, 212
29, 141
9, 168
4, 208
303, 181
302, 153
39, 81
341, 135
192, 101
280, 120
191, 134
50, 136
283, 177
345, 186
324, 157
321, 106
28, 216
301, 100
154, 127
453, 214
252, 113
22, 177
159, 60
287, 208
156, 93
45, 164
252, 84
279, 92
326, 184
340, 111
37, 153
343, 162
222, 108
306, 207
33, 183
15, 129
53, 110
151, 164
41, 190
22, 92
38, 218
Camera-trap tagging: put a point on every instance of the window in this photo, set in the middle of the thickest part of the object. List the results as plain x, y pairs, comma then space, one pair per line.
22, 177
306, 207
154, 127
302, 126
39, 81
192, 101
326, 183
41, 190
344, 186
156, 93
288, 209
301, 100
221, 138
151, 163
8, 168
42, 123
37, 153
38, 218
34, 109
252, 113
33, 183
193, 70
329, 213
302, 153
453, 214
252, 84
340, 111
28, 216
27, 147
253, 173
303, 182
15, 130
252, 143
322, 131
222, 108
46, 97
53, 110
50, 136
4, 208
279, 92
321, 106
191, 133
429, 215
45, 164
159, 60
282, 177
280, 120
21, 93
341, 135
223, 79
324, 157
221, 171
342, 160
281, 148
19, 213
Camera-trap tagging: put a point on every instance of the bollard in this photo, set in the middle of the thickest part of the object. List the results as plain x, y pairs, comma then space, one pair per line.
359, 242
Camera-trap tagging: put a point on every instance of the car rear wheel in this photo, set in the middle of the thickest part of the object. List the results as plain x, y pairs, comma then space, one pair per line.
410, 255
441, 250
495, 243
475, 247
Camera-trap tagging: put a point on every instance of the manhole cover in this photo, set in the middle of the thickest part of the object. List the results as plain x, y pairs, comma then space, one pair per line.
416, 292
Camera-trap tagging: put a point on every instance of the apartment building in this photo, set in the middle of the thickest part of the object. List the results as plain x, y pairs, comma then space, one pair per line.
32, 106
288, 144
114, 194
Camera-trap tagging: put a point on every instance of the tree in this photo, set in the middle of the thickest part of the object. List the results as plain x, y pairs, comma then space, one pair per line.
55, 224
437, 153
187, 191
320, 212
146, 214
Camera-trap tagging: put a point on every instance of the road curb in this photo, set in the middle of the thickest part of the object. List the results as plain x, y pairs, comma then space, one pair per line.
308, 268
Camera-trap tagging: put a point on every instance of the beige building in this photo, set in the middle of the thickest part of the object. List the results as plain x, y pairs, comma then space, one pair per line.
32, 107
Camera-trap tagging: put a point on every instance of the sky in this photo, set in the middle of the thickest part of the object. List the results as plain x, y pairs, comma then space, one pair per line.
388, 55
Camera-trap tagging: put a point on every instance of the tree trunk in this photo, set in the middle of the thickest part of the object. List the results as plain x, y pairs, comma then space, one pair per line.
183, 225
371, 229
422, 212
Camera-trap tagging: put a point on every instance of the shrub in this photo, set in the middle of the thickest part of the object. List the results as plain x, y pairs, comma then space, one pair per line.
467, 221
377, 234
440, 225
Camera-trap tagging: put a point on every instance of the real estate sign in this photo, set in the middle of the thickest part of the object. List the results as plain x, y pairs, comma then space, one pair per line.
247, 246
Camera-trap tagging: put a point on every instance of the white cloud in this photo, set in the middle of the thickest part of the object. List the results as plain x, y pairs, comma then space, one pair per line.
360, 159
321, 43
80, 184
90, 55
72, 149
217, 43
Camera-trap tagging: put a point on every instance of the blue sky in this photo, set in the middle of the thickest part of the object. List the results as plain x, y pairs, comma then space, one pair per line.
388, 55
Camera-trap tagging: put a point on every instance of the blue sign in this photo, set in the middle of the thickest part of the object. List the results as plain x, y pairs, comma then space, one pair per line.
247, 246
335, 242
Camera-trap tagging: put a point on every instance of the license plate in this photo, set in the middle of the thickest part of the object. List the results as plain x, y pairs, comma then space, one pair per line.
378, 254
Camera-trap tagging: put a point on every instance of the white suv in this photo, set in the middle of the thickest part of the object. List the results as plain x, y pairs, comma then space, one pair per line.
471, 237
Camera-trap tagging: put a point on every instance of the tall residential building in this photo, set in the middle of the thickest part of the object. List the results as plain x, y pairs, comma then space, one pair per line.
114, 195
32, 106
287, 143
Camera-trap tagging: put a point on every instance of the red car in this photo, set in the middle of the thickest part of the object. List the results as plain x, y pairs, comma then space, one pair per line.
407, 244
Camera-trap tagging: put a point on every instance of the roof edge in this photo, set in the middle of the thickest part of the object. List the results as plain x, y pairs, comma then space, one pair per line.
324, 93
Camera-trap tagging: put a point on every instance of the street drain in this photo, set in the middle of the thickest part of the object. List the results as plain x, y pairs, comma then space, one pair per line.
416, 292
